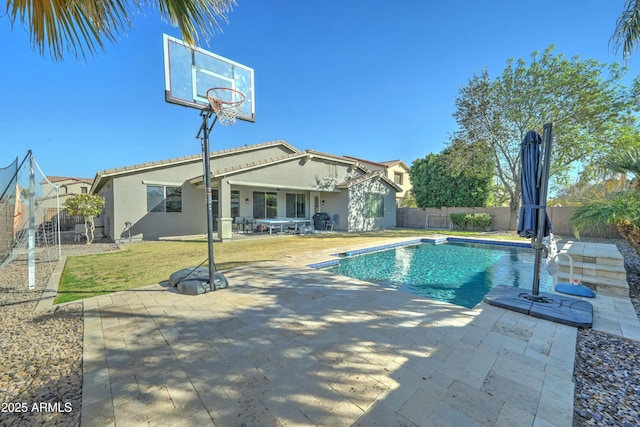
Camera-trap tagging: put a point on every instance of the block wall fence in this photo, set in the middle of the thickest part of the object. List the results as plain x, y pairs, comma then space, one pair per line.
436, 218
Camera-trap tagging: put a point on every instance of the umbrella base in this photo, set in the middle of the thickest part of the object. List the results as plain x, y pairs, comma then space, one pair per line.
555, 308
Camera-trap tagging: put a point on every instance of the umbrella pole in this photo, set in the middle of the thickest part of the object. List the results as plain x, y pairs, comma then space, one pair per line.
547, 141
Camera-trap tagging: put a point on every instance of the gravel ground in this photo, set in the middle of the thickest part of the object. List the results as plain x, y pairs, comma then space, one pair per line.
607, 367
41, 356
40, 352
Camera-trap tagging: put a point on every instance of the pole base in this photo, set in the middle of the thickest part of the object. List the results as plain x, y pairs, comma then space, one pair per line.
555, 308
195, 281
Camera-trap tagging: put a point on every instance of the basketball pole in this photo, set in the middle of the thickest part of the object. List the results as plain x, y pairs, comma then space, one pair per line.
205, 130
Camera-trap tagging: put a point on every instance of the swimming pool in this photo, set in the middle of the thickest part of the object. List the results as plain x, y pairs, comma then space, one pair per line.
460, 273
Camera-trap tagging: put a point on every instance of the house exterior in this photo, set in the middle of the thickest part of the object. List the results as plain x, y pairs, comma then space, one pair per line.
67, 187
71, 186
271, 180
395, 170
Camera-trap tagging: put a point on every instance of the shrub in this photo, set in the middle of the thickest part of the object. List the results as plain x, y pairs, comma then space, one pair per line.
471, 221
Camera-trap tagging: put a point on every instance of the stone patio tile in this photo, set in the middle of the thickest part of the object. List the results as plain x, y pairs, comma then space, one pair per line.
249, 411
474, 335
98, 413
520, 373
380, 415
423, 411
514, 417
360, 389
475, 372
345, 413
291, 346
481, 406
324, 400
135, 411
513, 393
95, 386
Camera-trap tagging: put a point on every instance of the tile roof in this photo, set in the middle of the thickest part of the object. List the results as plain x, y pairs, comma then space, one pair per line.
185, 159
68, 178
274, 160
366, 161
389, 163
368, 176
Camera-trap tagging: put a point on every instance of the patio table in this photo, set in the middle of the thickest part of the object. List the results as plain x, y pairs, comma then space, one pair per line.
281, 223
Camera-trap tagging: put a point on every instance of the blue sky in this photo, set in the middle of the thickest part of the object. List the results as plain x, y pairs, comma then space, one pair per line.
370, 79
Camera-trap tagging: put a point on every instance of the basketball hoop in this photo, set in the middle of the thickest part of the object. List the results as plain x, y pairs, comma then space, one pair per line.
225, 102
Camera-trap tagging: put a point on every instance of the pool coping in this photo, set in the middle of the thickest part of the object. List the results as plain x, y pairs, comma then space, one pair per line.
613, 314
415, 241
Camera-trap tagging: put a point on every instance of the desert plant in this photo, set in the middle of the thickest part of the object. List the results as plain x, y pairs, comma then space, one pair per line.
621, 208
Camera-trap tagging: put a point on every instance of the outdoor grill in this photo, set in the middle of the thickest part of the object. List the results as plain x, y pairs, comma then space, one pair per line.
320, 220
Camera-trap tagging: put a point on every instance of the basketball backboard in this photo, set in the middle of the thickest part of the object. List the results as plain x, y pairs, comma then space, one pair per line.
190, 71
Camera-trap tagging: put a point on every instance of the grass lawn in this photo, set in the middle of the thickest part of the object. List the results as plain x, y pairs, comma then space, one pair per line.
146, 263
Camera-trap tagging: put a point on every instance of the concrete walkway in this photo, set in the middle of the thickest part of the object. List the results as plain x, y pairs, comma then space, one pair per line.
287, 346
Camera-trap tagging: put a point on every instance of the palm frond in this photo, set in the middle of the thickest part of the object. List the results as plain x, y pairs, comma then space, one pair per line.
624, 161
616, 208
82, 27
195, 17
627, 32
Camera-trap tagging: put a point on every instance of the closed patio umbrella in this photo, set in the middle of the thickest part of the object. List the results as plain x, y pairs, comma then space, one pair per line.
531, 184
534, 223
534, 181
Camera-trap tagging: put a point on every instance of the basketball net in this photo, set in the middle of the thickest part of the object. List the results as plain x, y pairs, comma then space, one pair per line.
226, 103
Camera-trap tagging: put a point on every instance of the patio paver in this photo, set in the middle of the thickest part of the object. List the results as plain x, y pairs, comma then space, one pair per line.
290, 346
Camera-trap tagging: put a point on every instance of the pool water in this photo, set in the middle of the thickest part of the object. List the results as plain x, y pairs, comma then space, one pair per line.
458, 273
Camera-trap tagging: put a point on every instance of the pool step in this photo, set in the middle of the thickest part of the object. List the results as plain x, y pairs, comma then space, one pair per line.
598, 266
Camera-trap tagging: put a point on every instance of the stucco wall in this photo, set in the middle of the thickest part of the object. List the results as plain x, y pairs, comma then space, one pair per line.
129, 195
356, 205
406, 179
312, 175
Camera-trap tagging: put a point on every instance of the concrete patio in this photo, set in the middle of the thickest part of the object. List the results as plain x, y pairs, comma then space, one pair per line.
288, 345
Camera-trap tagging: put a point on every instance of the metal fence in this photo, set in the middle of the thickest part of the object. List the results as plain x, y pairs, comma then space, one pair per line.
67, 222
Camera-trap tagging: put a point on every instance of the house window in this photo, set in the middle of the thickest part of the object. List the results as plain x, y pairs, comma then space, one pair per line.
161, 198
296, 205
373, 206
235, 203
84, 190
397, 178
265, 205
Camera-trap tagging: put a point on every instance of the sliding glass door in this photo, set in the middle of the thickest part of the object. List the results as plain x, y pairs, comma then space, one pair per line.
265, 204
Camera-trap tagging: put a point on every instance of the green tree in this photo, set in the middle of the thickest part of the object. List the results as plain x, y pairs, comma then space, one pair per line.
78, 27
585, 99
88, 206
460, 175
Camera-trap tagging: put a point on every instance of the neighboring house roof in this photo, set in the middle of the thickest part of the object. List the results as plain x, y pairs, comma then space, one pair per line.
400, 163
385, 164
101, 176
371, 162
55, 179
366, 177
